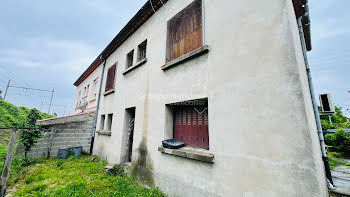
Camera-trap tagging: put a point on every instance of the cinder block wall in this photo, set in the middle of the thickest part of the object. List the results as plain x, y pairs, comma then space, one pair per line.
63, 132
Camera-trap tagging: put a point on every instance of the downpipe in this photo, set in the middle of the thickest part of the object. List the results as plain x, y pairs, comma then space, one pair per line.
313, 98
97, 105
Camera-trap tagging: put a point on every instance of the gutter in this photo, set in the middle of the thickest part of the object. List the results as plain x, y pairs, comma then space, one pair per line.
98, 104
306, 17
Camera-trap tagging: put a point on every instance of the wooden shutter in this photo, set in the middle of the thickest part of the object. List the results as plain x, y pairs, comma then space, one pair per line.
191, 126
110, 78
185, 31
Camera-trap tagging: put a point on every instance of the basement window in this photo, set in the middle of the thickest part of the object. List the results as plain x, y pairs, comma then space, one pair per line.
110, 79
185, 32
129, 59
109, 122
142, 50
102, 122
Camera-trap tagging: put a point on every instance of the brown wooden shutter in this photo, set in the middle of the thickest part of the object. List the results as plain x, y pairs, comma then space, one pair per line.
185, 31
110, 78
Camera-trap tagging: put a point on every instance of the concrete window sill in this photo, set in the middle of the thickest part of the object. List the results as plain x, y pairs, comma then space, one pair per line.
189, 153
195, 53
108, 92
144, 60
107, 133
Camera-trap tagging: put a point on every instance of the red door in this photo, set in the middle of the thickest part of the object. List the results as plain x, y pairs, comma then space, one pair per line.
191, 125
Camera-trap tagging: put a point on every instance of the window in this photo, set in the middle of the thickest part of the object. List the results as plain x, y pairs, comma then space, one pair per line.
185, 31
142, 48
84, 91
129, 59
110, 78
102, 123
87, 90
94, 89
78, 98
191, 123
109, 122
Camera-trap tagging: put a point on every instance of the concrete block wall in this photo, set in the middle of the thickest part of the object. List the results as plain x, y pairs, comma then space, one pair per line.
64, 132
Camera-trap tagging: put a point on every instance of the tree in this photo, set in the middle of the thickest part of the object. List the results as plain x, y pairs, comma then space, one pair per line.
30, 137
339, 121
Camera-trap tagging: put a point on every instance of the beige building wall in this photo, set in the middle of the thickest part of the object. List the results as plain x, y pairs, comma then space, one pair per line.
87, 92
261, 125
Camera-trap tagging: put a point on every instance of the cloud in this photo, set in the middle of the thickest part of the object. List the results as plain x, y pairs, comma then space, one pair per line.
329, 29
50, 53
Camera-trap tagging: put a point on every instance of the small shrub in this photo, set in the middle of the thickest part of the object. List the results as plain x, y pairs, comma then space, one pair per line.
335, 154
59, 163
117, 170
339, 141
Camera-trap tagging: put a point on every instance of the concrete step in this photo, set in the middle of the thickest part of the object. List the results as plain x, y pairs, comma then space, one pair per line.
340, 192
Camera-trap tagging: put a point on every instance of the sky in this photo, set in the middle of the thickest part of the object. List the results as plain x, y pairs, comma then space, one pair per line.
49, 44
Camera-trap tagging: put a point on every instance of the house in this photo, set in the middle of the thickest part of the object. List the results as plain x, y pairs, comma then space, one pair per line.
229, 80
86, 93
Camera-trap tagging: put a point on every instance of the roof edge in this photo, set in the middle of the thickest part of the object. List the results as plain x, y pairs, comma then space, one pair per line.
136, 21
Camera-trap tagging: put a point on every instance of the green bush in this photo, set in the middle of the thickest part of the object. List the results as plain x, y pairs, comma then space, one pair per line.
339, 141
117, 170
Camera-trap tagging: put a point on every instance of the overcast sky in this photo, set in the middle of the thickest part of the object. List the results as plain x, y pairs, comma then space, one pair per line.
48, 44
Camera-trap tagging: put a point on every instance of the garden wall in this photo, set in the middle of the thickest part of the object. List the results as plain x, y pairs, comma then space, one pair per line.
61, 132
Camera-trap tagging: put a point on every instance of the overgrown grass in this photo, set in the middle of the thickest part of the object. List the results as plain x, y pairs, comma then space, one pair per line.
75, 177
3, 151
336, 160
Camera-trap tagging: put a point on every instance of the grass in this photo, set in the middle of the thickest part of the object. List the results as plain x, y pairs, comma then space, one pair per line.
74, 177
335, 160
3, 151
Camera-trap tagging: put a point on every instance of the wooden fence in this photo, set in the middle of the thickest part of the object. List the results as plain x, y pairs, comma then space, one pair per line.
10, 152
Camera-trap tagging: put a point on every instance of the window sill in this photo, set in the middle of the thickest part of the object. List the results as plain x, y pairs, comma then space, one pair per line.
108, 92
103, 132
92, 100
190, 153
144, 60
197, 52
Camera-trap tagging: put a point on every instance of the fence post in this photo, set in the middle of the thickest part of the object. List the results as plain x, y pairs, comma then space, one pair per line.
6, 169
50, 144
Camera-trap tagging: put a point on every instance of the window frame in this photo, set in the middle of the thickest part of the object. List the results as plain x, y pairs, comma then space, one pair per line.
102, 122
94, 90
130, 59
109, 122
108, 82
140, 48
170, 46
190, 124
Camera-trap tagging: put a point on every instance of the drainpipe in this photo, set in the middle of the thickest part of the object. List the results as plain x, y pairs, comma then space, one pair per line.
313, 98
98, 104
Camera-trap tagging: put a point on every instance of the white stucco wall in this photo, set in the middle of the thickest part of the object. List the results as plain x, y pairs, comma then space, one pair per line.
90, 98
261, 126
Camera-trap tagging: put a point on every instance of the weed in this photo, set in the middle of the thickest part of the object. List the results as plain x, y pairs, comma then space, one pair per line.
117, 170
78, 177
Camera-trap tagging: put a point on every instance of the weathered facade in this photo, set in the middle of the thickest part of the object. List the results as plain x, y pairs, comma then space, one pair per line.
228, 78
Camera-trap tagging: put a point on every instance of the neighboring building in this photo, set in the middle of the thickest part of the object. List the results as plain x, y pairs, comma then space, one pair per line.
87, 90
226, 77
